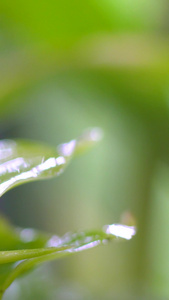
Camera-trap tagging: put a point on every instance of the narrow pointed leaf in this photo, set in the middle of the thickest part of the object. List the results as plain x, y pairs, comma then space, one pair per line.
23, 161
16, 255
69, 244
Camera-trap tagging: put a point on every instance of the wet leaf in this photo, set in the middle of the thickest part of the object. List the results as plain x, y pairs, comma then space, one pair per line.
55, 247
23, 249
24, 161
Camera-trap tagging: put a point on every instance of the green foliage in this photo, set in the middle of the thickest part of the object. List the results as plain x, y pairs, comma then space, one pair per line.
30, 257
23, 161
65, 65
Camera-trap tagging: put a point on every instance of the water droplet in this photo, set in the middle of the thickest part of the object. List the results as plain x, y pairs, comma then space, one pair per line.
67, 149
28, 235
122, 231
96, 134
54, 241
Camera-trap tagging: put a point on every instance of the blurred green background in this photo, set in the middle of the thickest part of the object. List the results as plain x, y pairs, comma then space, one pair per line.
69, 65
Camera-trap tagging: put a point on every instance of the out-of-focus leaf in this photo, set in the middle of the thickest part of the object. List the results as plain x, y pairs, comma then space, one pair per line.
15, 238
56, 247
21, 69
66, 22
24, 161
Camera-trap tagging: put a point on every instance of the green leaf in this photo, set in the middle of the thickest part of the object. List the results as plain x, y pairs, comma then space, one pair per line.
23, 249
15, 238
13, 241
56, 248
24, 161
